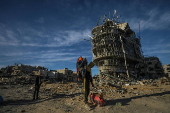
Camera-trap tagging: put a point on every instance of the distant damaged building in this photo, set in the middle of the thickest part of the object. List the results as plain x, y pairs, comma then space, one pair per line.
154, 67
116, 50
67, 75
166, 68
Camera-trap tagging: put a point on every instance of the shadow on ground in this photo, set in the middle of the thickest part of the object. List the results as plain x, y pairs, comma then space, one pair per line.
27, 102
125, 101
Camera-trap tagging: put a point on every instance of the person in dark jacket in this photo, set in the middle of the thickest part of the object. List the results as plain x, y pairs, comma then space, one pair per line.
87, 80
37, 87
84, 74
79, 67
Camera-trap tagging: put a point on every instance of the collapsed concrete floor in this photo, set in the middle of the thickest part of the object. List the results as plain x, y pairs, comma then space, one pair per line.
150, 96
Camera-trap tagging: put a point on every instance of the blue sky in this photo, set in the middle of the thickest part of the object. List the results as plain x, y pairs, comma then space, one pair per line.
50, 33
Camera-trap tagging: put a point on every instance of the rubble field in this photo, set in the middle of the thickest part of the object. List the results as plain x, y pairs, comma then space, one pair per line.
145, 96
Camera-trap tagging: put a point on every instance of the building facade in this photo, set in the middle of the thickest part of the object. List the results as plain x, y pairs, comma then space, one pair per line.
67, 75
116, 50
166, 68
154, 67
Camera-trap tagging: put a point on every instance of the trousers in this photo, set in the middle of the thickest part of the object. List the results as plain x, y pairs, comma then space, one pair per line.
86, 87
37, 88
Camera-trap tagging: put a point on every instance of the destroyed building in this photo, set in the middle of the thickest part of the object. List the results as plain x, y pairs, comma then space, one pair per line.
17, 72
116, 49
154, 67
67, 75
166, 68
20, 69
6, 71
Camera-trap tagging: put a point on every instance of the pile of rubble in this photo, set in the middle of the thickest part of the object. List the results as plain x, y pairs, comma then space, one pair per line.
110, 90
13, 80
110, 85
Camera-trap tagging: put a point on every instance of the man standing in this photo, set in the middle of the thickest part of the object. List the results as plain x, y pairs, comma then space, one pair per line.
79, 67
37, 87
84, 74
86, 85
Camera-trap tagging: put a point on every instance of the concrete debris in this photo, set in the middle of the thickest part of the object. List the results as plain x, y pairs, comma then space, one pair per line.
23, 111
126, 84
165, 81
70, 94
118, 104
133, 83
141, 83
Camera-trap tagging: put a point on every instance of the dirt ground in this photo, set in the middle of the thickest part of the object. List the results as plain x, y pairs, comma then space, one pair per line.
68, 98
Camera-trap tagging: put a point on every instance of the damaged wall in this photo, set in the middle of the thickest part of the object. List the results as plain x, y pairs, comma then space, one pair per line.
115, 48
154, 67
68, 75
166, 68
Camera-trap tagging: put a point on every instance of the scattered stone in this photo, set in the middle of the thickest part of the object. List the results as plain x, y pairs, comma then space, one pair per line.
141, 83
134, 88
118, 103
133, 83
67, 110
4, 88
22, 110
88, 107
126, 84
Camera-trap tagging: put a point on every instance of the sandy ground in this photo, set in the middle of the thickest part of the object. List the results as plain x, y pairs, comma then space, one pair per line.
61, 98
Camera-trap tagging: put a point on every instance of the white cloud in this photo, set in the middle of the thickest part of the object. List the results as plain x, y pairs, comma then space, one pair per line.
40, 54
41, 20
2, 38
165, 18
61, 58
45, 64
164, 51
167, 45
12, 36
153, 47
66, 38
44, 56
6, 43
3, 25
159, 51
154, 20
39, 38
19, 31
156, 48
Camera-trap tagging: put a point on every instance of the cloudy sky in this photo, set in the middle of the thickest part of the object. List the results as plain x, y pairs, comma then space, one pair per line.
50, 33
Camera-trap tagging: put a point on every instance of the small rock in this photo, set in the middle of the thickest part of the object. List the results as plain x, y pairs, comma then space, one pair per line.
118, 104
67, 110
126, 84
22, 110
141, 83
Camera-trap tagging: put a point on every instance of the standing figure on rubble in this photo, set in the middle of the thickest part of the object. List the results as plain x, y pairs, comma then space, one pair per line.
79, 67
84, 75
37, 87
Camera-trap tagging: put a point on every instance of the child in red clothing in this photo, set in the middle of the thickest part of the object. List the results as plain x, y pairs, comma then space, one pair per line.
97, 99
